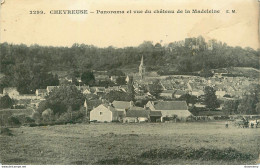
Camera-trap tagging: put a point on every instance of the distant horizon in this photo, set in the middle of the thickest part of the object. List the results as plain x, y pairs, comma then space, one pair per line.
117, 47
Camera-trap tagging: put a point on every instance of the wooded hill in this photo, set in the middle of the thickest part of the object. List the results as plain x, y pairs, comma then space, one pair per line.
189, 55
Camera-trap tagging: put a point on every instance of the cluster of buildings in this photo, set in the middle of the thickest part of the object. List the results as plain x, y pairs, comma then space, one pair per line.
153, 111
172, 87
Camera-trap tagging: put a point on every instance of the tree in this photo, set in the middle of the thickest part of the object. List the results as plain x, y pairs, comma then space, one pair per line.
211, 100
155, 88
230, 107
121, 80
118, 95
6, 102
190, 99
116, 72
88, 78
130, 88
250, 102
43, 105
60, 99
206, 72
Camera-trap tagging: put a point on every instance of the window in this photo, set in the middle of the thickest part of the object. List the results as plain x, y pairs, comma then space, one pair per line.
100, 113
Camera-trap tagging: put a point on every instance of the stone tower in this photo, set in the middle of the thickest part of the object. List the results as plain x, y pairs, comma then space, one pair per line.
142, 68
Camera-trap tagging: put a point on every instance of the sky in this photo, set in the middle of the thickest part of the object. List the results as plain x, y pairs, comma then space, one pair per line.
121, 30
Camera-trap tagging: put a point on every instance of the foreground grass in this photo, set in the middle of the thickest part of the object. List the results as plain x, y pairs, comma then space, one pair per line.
160, 143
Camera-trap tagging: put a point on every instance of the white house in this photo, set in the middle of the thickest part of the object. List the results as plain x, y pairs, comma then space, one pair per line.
104, 113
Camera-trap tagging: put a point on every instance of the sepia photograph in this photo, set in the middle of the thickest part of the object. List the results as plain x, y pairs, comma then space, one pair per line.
134, 82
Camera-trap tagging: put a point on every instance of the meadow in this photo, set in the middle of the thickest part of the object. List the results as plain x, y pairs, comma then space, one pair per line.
143, 143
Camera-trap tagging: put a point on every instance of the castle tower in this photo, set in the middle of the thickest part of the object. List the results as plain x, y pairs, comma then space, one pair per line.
142, 68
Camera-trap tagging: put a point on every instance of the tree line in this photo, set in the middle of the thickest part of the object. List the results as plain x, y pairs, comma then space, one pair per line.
35, 63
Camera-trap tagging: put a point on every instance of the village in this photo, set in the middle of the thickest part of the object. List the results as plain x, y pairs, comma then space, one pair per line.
157, 98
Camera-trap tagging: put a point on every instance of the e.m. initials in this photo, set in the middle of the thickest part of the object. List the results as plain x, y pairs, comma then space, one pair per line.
230, 11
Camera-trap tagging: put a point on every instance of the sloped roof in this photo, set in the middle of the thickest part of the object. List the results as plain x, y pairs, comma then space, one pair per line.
170, 105
155, 113
137, 113
41, 90
121, 104
94, 103
9, 89
168, 91
180, 92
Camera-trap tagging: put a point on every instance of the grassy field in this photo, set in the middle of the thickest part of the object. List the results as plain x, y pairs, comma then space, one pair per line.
111, 143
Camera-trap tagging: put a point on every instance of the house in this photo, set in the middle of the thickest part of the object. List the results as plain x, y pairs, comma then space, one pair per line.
170, 109
113, 78
220, 93
98, 90
122, 105
179, 93
104, 113
167, 94
41, 93
136, 115
50, 88
11, 92
102, 77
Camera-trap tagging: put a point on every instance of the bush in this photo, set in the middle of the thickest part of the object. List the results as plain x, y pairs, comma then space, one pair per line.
201, 153
6, 102
13, 121
33, 125
6, 131
36, 116
29, 120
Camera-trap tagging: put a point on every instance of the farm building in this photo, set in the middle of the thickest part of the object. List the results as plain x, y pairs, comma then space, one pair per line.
122, 105
155, 116
170, 109
104, 113
137, 115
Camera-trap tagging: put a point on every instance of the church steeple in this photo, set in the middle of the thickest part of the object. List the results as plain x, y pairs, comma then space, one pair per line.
142, 61
142, 68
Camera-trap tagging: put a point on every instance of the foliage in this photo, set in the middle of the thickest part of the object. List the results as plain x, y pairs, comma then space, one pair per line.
36, 116
88, 78
121, 80
21, 64
250, 101
6, 102
211, 100
115, 72
206, 72
230, 107
190, 99
60, 99
13, 121
47, 115
118, 95
6, 131
130, 88
43, 105
155, 88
